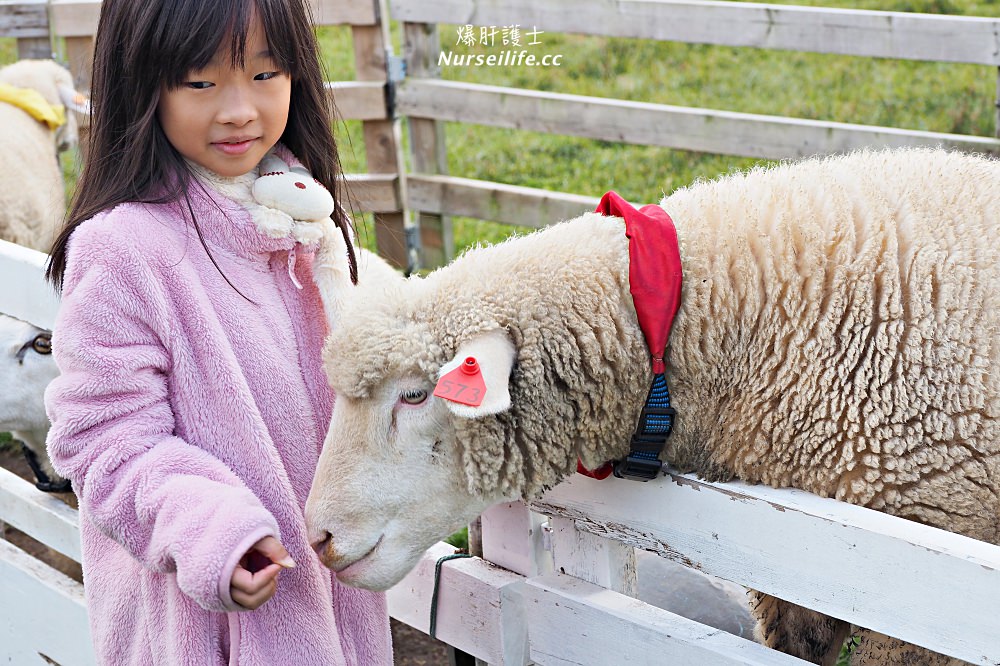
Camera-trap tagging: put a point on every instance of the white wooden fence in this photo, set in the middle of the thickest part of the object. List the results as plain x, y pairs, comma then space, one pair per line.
553, 585
552, 594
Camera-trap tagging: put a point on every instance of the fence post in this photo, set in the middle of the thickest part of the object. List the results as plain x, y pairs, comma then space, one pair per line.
76, 23
996, 108
421, 46
34, 47
605, 562
382, 137
27, 20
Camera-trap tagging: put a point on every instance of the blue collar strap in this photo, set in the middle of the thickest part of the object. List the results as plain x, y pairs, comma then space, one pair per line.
650, 438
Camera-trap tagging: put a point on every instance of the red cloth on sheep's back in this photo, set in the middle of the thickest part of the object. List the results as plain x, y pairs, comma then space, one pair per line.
654, 272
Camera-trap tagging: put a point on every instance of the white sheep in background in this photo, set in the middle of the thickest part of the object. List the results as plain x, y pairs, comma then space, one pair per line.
32, 202
839, 332
26, 368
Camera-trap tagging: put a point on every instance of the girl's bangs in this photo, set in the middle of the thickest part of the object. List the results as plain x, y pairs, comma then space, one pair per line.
189, 35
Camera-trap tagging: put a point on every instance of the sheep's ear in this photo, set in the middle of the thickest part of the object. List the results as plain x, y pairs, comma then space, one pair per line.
494, 352
74, 100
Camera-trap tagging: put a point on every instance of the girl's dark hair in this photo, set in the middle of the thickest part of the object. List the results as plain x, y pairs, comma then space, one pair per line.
144, 45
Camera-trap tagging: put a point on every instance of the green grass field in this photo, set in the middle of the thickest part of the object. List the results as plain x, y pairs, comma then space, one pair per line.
917, 95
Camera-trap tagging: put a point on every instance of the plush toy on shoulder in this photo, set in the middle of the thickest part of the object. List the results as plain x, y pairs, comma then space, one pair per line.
296, 203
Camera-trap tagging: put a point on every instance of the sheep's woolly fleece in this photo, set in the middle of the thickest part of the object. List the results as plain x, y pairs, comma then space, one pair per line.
837, 333
31, 186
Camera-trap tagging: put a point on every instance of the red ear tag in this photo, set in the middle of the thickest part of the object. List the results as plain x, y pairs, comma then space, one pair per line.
464, 384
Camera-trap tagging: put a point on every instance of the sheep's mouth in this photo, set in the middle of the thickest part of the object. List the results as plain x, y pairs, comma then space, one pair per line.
360, 564
330, 558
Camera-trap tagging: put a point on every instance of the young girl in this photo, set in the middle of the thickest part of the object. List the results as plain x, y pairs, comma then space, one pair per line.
192, 406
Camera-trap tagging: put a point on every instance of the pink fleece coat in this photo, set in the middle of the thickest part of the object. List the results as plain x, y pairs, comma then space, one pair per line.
190, 420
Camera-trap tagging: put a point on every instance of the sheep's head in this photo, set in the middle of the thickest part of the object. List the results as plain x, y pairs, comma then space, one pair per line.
565, 371
26, 368
392, 480
55, 83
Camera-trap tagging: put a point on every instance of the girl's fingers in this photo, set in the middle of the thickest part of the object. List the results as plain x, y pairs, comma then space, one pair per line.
255, 579
251, 583
257, 599
272, 549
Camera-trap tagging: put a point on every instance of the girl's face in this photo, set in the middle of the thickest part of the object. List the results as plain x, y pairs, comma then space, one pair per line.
226, 119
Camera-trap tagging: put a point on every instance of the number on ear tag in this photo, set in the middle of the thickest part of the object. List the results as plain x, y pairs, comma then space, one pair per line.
464, 384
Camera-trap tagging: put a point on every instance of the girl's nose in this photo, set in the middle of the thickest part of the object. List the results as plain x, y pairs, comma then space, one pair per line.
237, 108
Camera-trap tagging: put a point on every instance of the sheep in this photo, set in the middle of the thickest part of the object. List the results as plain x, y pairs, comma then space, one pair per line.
26, 368
837, 333
32, 201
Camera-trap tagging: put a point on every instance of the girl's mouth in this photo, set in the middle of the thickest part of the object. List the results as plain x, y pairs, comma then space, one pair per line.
234, 147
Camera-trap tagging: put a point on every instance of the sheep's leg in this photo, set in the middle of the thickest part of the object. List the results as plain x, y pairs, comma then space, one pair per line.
875, 649
797, 631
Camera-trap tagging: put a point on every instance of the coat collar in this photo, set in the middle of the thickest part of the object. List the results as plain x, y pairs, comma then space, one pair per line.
227, 224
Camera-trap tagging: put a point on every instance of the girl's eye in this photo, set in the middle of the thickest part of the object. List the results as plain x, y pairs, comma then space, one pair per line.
42, 344
199, 85
264, 76
414, 396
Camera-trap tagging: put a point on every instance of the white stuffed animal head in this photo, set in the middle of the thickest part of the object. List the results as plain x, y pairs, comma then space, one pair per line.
291, 190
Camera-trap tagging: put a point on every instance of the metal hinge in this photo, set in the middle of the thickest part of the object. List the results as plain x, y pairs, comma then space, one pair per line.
413, 248
395, 71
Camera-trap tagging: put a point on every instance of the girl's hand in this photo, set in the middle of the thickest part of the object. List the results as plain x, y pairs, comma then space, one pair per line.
255, 578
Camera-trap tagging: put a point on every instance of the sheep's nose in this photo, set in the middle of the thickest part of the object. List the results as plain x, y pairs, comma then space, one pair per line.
324, 549
322, 544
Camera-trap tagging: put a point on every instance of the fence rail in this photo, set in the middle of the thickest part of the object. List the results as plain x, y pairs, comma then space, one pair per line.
898, 35
841, 560
721, 132
78, 18
24, 19
934, 588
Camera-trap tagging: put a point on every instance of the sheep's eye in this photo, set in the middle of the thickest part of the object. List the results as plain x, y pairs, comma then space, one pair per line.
414, 396
42, 343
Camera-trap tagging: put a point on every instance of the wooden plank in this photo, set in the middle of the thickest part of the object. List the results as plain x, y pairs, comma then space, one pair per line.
38, 48
721, 132
604, 562
903, 35
859, 565
358, 100
487, 612
428, 153
80, 55
576, 623
513, 538
372, 193
511, 204
383, 147
43, 618
24, 19
478, 607
28, 22
34, 300
78, 18
39, 515
74, 18
338, 12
